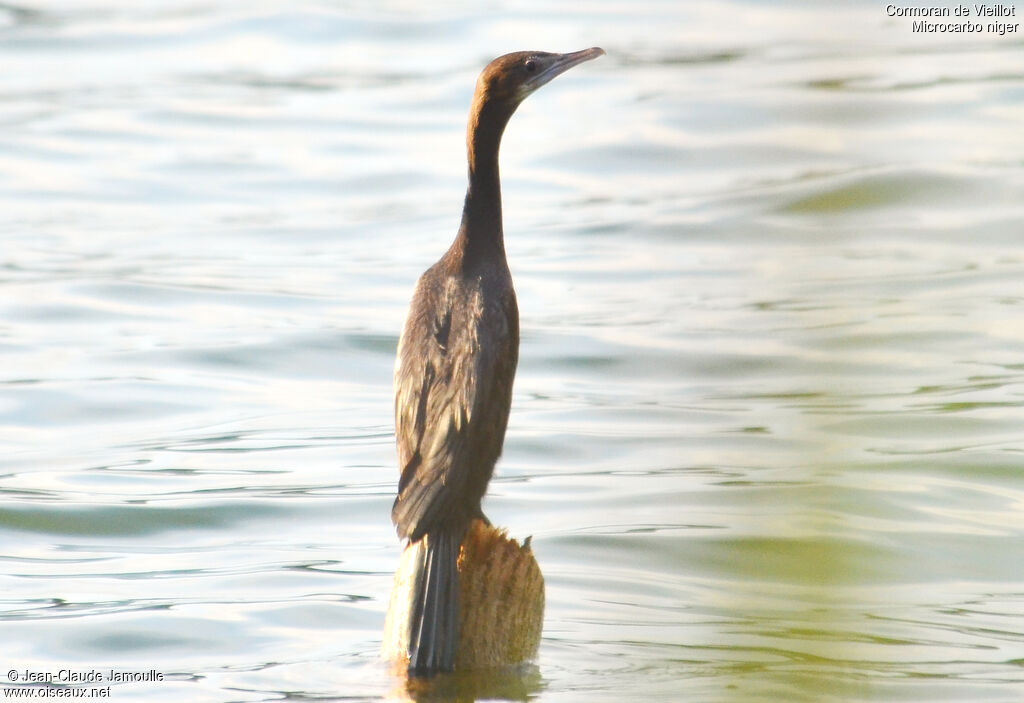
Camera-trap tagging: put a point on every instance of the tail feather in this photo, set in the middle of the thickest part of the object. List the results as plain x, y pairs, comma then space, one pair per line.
433, 624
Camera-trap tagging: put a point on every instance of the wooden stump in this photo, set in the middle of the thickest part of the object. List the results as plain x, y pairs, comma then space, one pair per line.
501, 602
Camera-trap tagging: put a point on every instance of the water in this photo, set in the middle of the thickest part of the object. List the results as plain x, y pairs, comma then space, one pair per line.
767, 431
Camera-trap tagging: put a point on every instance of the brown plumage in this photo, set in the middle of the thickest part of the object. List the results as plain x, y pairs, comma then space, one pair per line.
456, 363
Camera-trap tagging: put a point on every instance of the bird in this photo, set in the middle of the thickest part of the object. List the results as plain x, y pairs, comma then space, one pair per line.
455, 366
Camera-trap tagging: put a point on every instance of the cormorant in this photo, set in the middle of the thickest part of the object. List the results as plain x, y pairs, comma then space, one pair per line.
456, 362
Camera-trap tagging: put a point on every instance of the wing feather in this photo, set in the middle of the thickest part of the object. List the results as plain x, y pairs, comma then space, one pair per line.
452, 398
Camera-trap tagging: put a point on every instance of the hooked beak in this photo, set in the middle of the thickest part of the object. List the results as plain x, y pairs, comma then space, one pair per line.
560, 63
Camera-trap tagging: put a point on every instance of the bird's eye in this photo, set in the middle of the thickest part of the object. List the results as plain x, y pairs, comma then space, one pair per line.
531, 65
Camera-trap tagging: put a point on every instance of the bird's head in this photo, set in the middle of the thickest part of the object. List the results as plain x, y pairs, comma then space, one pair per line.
512, 77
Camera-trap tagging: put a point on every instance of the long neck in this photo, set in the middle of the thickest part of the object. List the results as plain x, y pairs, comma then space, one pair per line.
480, 235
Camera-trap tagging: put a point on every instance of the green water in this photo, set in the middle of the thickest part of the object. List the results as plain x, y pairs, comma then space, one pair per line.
768, 429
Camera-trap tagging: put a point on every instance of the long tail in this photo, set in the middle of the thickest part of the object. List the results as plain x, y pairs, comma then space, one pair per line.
434, 616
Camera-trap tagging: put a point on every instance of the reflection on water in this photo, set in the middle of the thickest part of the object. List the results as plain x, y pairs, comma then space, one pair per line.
766, 432
520, 683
